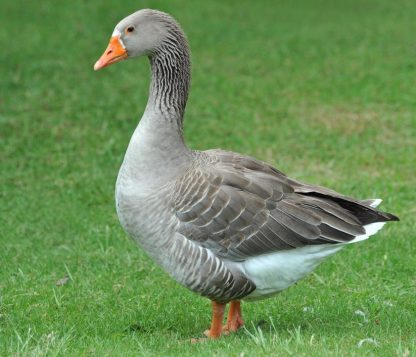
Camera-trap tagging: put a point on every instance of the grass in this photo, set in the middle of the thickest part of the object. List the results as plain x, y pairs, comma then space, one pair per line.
324, 90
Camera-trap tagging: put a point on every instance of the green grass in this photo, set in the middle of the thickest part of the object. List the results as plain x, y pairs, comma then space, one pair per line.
324, 90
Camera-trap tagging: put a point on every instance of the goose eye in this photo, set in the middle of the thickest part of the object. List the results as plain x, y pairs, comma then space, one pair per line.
130, 29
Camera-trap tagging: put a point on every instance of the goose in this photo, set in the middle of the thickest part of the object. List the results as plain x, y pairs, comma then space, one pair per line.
225, 225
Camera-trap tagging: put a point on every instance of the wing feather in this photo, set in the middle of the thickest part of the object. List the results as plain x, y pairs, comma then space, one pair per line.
240, 207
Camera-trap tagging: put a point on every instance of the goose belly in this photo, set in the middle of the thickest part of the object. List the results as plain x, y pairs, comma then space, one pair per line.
275, 272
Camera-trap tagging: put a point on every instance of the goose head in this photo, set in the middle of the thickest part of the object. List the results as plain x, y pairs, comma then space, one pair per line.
139, 34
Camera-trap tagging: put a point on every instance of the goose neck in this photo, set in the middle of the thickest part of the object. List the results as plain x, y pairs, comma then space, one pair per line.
171, 74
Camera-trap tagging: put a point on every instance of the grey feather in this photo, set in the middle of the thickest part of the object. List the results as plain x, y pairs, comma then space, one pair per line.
258, 210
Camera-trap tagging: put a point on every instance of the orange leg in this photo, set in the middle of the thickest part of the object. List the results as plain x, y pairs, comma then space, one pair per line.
216, 323
234, 318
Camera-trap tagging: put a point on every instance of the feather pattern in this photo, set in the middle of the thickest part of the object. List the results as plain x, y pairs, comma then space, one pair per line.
253, 209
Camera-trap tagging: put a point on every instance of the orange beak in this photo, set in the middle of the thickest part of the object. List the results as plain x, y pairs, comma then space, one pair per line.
115, 52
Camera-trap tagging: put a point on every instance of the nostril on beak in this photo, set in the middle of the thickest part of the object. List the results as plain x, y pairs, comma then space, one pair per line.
109, 52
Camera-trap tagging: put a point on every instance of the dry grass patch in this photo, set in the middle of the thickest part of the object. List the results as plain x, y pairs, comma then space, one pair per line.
346, 121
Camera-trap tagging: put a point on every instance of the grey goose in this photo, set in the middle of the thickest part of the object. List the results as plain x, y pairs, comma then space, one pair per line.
224, 225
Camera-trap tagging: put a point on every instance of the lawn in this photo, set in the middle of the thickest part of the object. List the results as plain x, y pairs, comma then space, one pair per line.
323, 90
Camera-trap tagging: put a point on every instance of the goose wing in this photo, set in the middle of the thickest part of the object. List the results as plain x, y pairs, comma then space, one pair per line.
240, 207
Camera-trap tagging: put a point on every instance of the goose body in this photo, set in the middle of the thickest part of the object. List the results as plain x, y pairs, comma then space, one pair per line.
224, 225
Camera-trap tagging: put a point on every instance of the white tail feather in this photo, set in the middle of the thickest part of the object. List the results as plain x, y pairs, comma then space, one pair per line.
376, 202
370, 229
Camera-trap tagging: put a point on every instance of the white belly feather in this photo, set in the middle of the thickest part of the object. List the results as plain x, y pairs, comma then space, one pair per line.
275, 272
